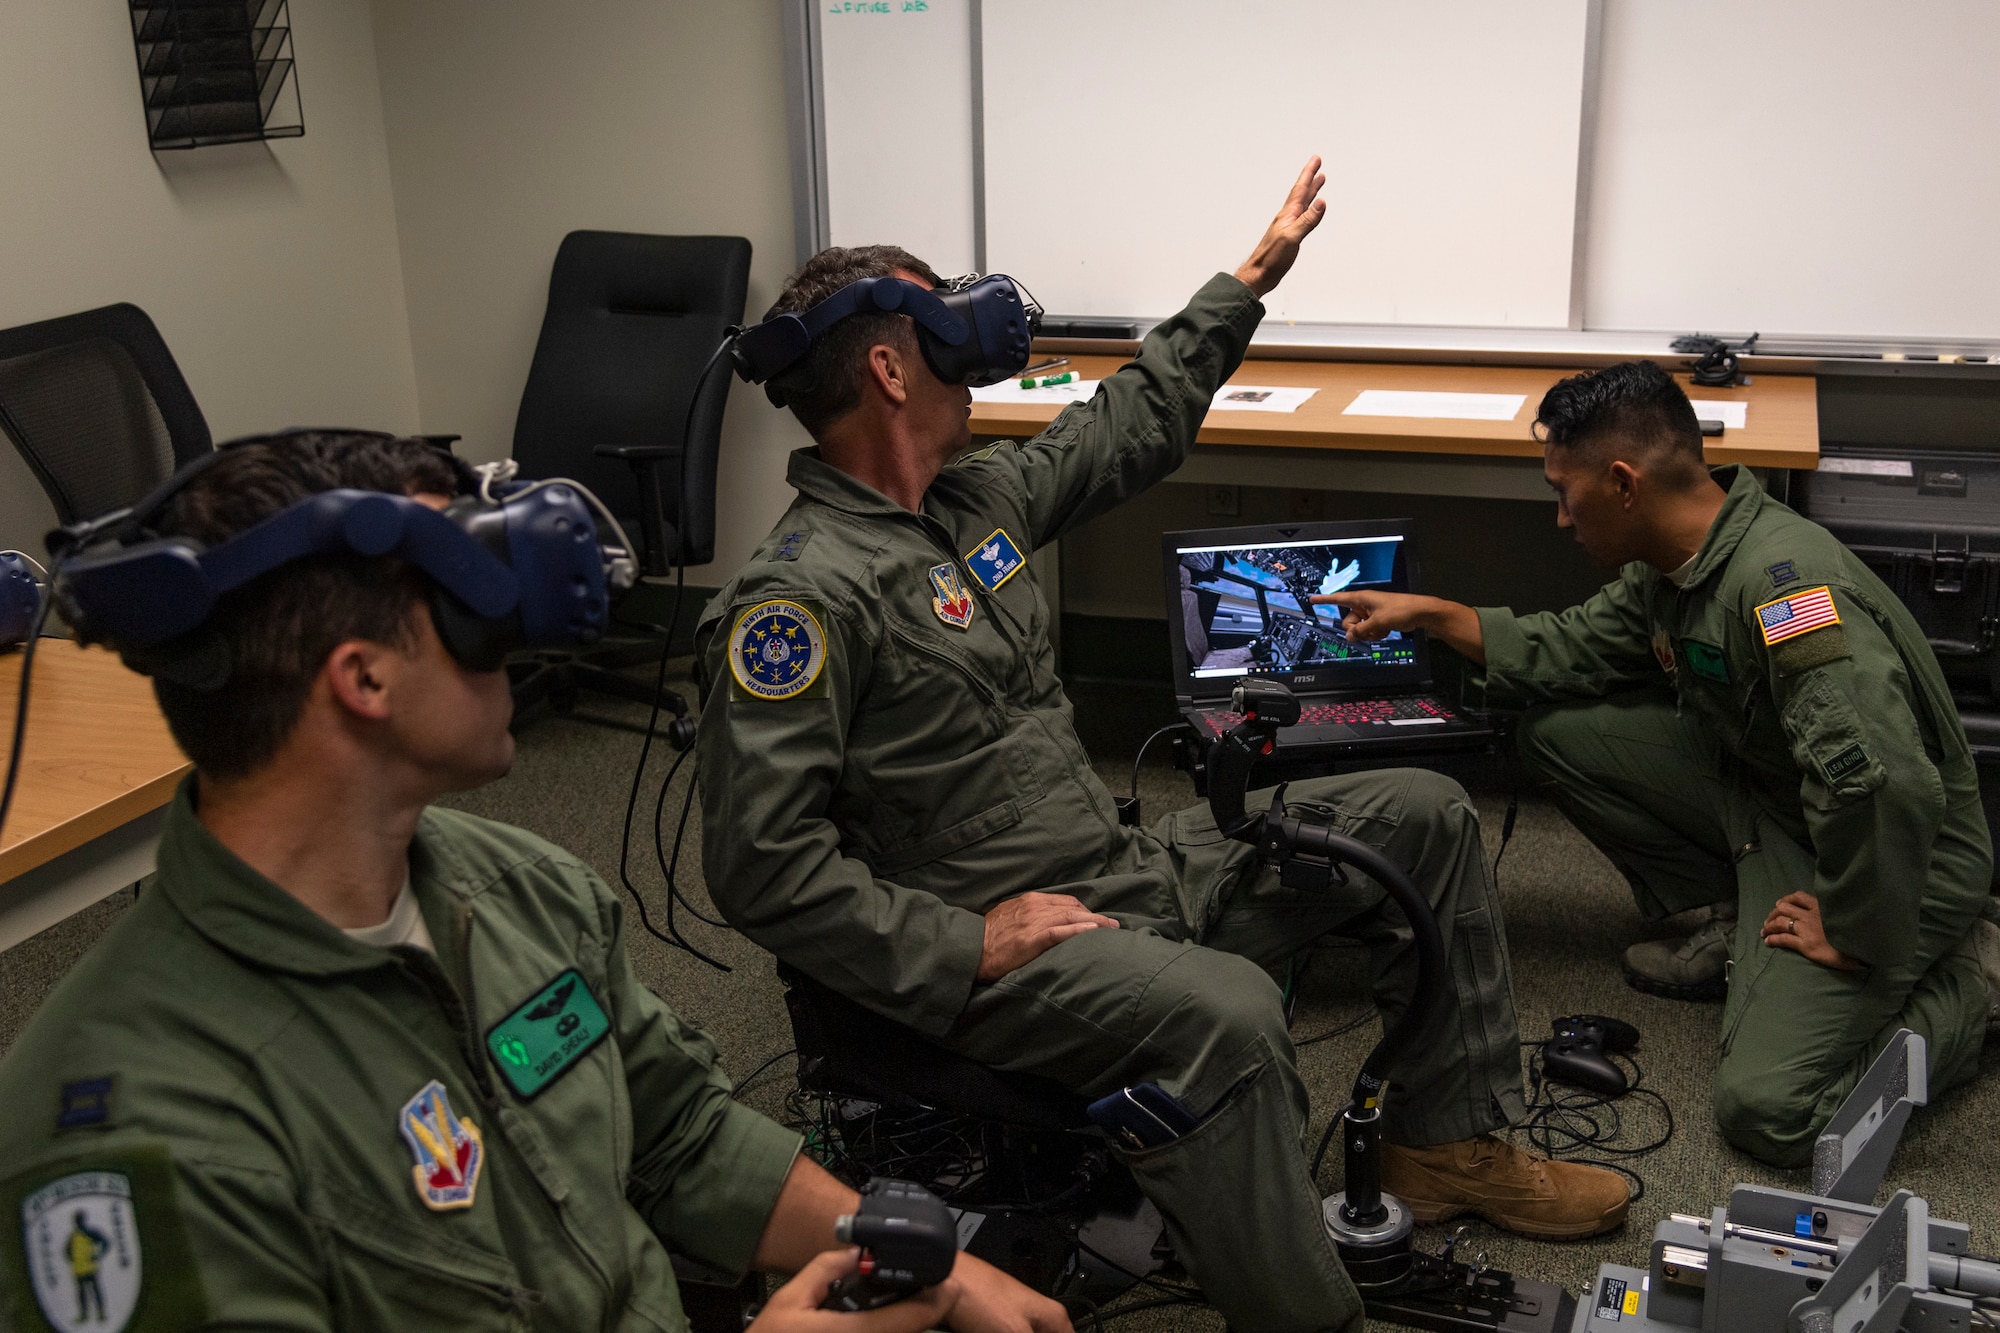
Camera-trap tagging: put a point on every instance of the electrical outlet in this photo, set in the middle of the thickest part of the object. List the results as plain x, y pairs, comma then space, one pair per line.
1225, 501
1305, 506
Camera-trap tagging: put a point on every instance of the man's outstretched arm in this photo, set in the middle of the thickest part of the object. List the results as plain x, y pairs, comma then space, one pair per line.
1369, 616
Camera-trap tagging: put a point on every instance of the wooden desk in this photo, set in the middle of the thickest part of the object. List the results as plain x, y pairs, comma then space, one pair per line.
1782, 429
97, 771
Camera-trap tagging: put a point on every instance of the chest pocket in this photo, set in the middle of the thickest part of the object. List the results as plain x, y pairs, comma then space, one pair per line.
386, 1270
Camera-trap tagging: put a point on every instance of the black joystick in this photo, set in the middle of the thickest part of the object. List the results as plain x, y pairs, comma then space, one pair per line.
1576, 1053
907, 1243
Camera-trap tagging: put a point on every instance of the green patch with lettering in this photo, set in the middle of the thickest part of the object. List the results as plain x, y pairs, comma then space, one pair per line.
1705, 660
1847, 761
553, 1029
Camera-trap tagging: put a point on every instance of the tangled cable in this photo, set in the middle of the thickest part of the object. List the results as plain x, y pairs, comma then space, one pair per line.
1573, 1125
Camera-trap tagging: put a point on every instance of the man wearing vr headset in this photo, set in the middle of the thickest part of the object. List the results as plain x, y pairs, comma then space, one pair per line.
354, 1062
895, 801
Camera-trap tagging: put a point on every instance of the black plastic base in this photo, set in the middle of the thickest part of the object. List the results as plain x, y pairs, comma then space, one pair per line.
1440, 1294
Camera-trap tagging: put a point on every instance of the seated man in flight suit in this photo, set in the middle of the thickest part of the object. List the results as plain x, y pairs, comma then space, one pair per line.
292, 1085
1746, 720
914, 823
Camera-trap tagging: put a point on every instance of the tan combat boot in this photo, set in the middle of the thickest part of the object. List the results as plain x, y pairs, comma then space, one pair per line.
1696, 968
1513, 1189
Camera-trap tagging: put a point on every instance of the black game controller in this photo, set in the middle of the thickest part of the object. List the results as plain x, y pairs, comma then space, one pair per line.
908, 1242
1575, 1054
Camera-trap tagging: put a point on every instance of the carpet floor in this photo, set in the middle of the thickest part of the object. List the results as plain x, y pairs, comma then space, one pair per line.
1568, 917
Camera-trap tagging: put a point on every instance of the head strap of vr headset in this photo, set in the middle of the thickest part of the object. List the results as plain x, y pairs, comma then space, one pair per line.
768, 350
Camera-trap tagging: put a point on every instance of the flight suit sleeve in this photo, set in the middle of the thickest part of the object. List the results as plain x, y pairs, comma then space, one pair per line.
773, 857
706, 1170
1141, 422
1872, 797
1588, 651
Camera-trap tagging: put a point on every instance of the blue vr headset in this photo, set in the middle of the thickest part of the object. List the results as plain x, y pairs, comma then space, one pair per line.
510, 565
20, 597
972, 330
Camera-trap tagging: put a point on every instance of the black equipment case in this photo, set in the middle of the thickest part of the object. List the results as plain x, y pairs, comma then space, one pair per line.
1927, 521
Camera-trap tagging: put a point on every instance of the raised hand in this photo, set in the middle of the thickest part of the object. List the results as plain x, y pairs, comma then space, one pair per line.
1273, 257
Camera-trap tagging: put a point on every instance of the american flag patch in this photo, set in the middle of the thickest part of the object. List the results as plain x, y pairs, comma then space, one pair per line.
1801, 613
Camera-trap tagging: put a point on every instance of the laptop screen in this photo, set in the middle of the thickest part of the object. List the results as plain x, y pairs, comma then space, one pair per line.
1240, 602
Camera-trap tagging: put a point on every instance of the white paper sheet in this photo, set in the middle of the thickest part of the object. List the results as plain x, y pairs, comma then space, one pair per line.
1460, 406
1731, 415
1259, 398
1010, 391
1868, 467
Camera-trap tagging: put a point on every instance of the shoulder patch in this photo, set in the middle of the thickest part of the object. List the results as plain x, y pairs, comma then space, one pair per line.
1781, 573
551, 1030
777, 650
995, 560
1798, 613
101, 1246
83, 1101
791, 544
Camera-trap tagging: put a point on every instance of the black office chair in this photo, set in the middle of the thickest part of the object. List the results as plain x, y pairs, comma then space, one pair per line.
631, 321
98, 408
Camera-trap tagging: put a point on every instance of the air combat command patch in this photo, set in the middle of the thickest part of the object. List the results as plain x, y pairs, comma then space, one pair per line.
447, 1148
995, 560
952, 603
777, 650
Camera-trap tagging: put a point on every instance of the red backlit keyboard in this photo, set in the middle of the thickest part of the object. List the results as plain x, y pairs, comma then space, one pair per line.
1355, 713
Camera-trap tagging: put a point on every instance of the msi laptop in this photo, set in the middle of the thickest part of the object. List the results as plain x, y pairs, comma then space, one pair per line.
1237, 605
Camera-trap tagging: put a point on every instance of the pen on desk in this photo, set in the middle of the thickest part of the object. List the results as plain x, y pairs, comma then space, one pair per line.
1049, 364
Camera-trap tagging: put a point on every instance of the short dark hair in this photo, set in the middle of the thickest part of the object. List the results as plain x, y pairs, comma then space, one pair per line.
275, 632
1638, 404
826, 385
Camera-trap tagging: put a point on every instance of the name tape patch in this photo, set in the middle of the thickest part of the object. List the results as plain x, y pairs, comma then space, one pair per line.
995, 560
544, 1038
1800, 613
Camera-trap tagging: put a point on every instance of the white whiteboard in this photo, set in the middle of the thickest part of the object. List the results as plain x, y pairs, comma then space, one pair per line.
1133, 147
896, 87
1798, 166
1792, 166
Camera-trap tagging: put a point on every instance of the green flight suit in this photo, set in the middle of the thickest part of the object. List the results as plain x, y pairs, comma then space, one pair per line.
868, 798
263, 1068
1708, 763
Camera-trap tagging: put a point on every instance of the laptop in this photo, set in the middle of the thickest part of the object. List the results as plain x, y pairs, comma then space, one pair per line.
1237, 605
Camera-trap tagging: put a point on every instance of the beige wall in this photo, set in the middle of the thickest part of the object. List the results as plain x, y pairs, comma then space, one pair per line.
272, 270
514, 122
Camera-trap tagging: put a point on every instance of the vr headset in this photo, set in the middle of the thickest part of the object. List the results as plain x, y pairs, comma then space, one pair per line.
510, 566
20, 596
972, 330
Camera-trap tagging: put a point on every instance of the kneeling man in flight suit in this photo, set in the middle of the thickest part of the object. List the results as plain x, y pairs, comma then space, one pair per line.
1748, 722
357, 1062
914, 823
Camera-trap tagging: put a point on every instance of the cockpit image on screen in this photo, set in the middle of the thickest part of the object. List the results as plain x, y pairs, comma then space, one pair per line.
1249, 608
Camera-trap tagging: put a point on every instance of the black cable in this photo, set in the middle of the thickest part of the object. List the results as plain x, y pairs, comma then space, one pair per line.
1341, 1031
1185, 1295
673, 937
21, 696
1319, 1154
1146, 745
1506, 831
759, 1070
670, 866
1566, 1125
